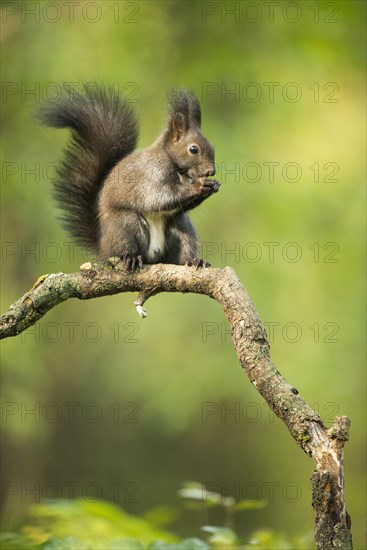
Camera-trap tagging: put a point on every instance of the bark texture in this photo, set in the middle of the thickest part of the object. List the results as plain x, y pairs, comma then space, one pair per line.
325, 446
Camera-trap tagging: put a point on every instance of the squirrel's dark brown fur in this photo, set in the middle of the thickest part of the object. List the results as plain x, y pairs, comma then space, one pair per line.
125, 203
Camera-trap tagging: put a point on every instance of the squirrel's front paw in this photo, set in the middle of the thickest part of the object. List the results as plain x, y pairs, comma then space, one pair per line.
132, 262
215, 184
208, 187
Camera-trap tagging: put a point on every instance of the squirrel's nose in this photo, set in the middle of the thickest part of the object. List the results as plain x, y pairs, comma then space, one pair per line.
211, 172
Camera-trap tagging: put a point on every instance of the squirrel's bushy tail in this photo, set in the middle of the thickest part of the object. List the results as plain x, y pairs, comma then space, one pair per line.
104, 129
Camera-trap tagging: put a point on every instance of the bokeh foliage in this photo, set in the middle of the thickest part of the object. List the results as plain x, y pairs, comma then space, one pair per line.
164, 370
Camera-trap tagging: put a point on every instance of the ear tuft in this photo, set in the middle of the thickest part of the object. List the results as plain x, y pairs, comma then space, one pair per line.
184, 102
195, 110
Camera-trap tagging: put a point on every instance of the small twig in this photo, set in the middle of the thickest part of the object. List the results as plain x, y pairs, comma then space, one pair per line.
142, 298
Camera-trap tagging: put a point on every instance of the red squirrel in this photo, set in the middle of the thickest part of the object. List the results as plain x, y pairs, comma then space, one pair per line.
126, 203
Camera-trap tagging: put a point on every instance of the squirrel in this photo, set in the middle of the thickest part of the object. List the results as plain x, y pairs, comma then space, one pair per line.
126, 203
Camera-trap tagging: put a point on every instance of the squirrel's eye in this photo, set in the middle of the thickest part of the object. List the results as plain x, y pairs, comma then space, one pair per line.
194, 149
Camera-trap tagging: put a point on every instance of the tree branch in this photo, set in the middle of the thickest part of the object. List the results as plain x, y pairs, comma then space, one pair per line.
325, 446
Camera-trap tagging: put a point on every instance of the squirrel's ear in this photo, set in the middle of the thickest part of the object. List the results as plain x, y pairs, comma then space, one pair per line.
179, 126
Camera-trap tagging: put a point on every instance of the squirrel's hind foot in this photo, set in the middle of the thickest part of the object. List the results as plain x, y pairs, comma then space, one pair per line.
132, 262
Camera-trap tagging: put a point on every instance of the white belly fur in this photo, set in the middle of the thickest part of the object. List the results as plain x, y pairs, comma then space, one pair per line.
156, 223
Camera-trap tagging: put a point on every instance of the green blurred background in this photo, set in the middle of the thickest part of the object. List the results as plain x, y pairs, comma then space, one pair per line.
119, 400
